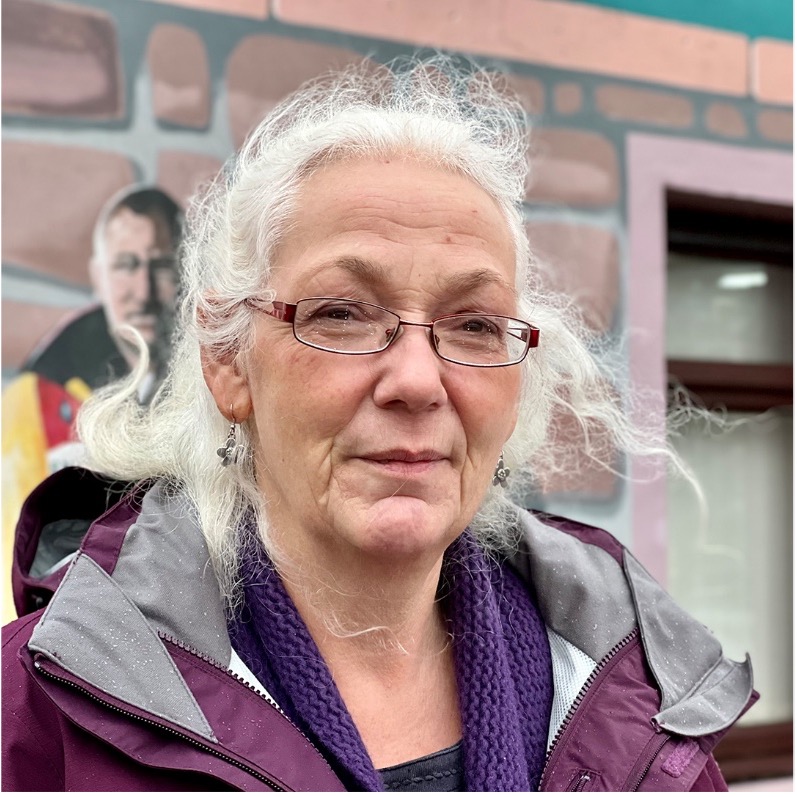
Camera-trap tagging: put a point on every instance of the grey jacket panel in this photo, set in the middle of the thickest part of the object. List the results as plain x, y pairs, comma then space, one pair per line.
702, 691
96, 646
586, 597
115, 646
582, 593
181, 597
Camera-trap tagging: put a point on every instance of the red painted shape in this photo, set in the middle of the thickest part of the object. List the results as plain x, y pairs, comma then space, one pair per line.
59, 409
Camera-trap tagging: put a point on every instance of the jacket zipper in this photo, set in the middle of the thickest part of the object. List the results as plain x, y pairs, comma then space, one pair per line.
649, 763
270, 700
206, 748
580, 696
580, 782
209, 660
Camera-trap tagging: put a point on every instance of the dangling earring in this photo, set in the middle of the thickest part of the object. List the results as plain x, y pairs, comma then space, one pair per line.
229, 451
501, 472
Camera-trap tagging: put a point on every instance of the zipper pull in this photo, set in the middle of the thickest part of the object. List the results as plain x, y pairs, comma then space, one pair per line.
582, 781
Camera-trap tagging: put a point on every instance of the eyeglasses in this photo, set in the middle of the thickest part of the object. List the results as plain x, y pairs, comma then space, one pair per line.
346, 326
130, 262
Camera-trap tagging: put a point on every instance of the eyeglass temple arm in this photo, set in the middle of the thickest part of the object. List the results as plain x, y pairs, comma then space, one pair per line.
279, 310
532, 335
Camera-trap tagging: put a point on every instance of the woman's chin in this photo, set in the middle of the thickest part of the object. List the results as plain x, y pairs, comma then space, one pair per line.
404, 527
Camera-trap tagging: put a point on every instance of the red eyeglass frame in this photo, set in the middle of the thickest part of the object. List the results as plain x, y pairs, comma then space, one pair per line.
286, 311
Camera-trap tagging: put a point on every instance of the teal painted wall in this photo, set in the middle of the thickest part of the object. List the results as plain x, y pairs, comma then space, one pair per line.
771, 18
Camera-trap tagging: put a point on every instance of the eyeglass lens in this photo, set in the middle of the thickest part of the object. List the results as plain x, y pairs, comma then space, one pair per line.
361, 328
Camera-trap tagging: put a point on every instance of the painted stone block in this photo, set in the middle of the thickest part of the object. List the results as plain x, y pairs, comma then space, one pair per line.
51, 198
254, 9
25, 325
178, 67
181, 173
530, 91
558, 33
582, 262
60, 61
644, 106
776, 125
579, 475
725, 120
772, 71
264, 69
573, 167
568, 98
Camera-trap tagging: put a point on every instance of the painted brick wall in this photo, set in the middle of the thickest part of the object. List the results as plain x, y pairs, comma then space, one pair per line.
97, 94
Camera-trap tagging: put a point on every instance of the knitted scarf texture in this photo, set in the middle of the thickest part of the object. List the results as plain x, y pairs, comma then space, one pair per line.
502, 662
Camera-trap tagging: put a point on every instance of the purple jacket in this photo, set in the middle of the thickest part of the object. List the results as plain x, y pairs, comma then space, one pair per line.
127, 680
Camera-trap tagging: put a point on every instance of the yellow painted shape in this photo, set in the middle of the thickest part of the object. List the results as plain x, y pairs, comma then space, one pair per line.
24, 465
77, 388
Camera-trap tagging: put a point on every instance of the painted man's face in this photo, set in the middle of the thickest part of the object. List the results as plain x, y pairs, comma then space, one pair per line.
136, 277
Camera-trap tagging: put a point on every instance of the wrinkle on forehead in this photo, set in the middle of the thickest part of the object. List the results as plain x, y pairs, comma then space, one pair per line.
376, 274
356, 215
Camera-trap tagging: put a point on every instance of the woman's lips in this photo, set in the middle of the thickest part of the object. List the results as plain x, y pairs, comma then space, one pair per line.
404, 463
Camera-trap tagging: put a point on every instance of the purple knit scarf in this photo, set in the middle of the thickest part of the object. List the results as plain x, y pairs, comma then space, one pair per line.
502, 660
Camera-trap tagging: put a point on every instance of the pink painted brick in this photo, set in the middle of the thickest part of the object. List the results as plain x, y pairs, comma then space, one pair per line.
181, 173
254, 9
772, 71
725, 120
568, 98
60, 60
558, 33
24, 325
580, 476
530, 91
51, 198
178, 67
776, 125
582, 262
644, 106
263, 69
573, 167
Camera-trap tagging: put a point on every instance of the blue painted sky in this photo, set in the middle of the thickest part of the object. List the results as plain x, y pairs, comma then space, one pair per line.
770, 18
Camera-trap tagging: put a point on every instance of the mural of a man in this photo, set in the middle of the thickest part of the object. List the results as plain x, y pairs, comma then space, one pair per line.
135, 275
134, 272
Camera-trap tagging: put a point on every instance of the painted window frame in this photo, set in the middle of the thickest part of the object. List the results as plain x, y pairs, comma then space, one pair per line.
657, 165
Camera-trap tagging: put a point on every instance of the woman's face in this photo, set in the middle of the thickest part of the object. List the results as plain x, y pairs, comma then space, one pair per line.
387, 454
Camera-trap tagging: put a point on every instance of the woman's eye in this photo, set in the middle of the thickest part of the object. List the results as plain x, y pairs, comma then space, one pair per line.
338, 313
479, 326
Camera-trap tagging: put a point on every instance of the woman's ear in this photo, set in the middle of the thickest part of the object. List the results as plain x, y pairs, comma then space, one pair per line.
227, 384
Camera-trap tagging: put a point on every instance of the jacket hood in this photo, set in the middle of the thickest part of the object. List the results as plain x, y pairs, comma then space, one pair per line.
52, 524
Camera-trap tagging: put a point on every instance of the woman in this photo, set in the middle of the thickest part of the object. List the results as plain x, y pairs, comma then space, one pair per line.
318, 581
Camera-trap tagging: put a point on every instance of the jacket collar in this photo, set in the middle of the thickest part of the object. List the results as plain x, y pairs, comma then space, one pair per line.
590, 591
116, 646
593, 593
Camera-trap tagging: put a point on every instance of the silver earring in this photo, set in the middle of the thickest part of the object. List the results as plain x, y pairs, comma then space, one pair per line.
229, 451
501, 472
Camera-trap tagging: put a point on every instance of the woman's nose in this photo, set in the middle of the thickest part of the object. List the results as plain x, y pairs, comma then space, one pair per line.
410, 372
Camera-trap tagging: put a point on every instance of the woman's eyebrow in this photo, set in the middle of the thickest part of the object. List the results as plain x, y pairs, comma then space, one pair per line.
459, 284
466, 282
366, 271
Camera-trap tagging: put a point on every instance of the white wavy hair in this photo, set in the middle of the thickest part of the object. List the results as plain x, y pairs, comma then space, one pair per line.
453, 117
